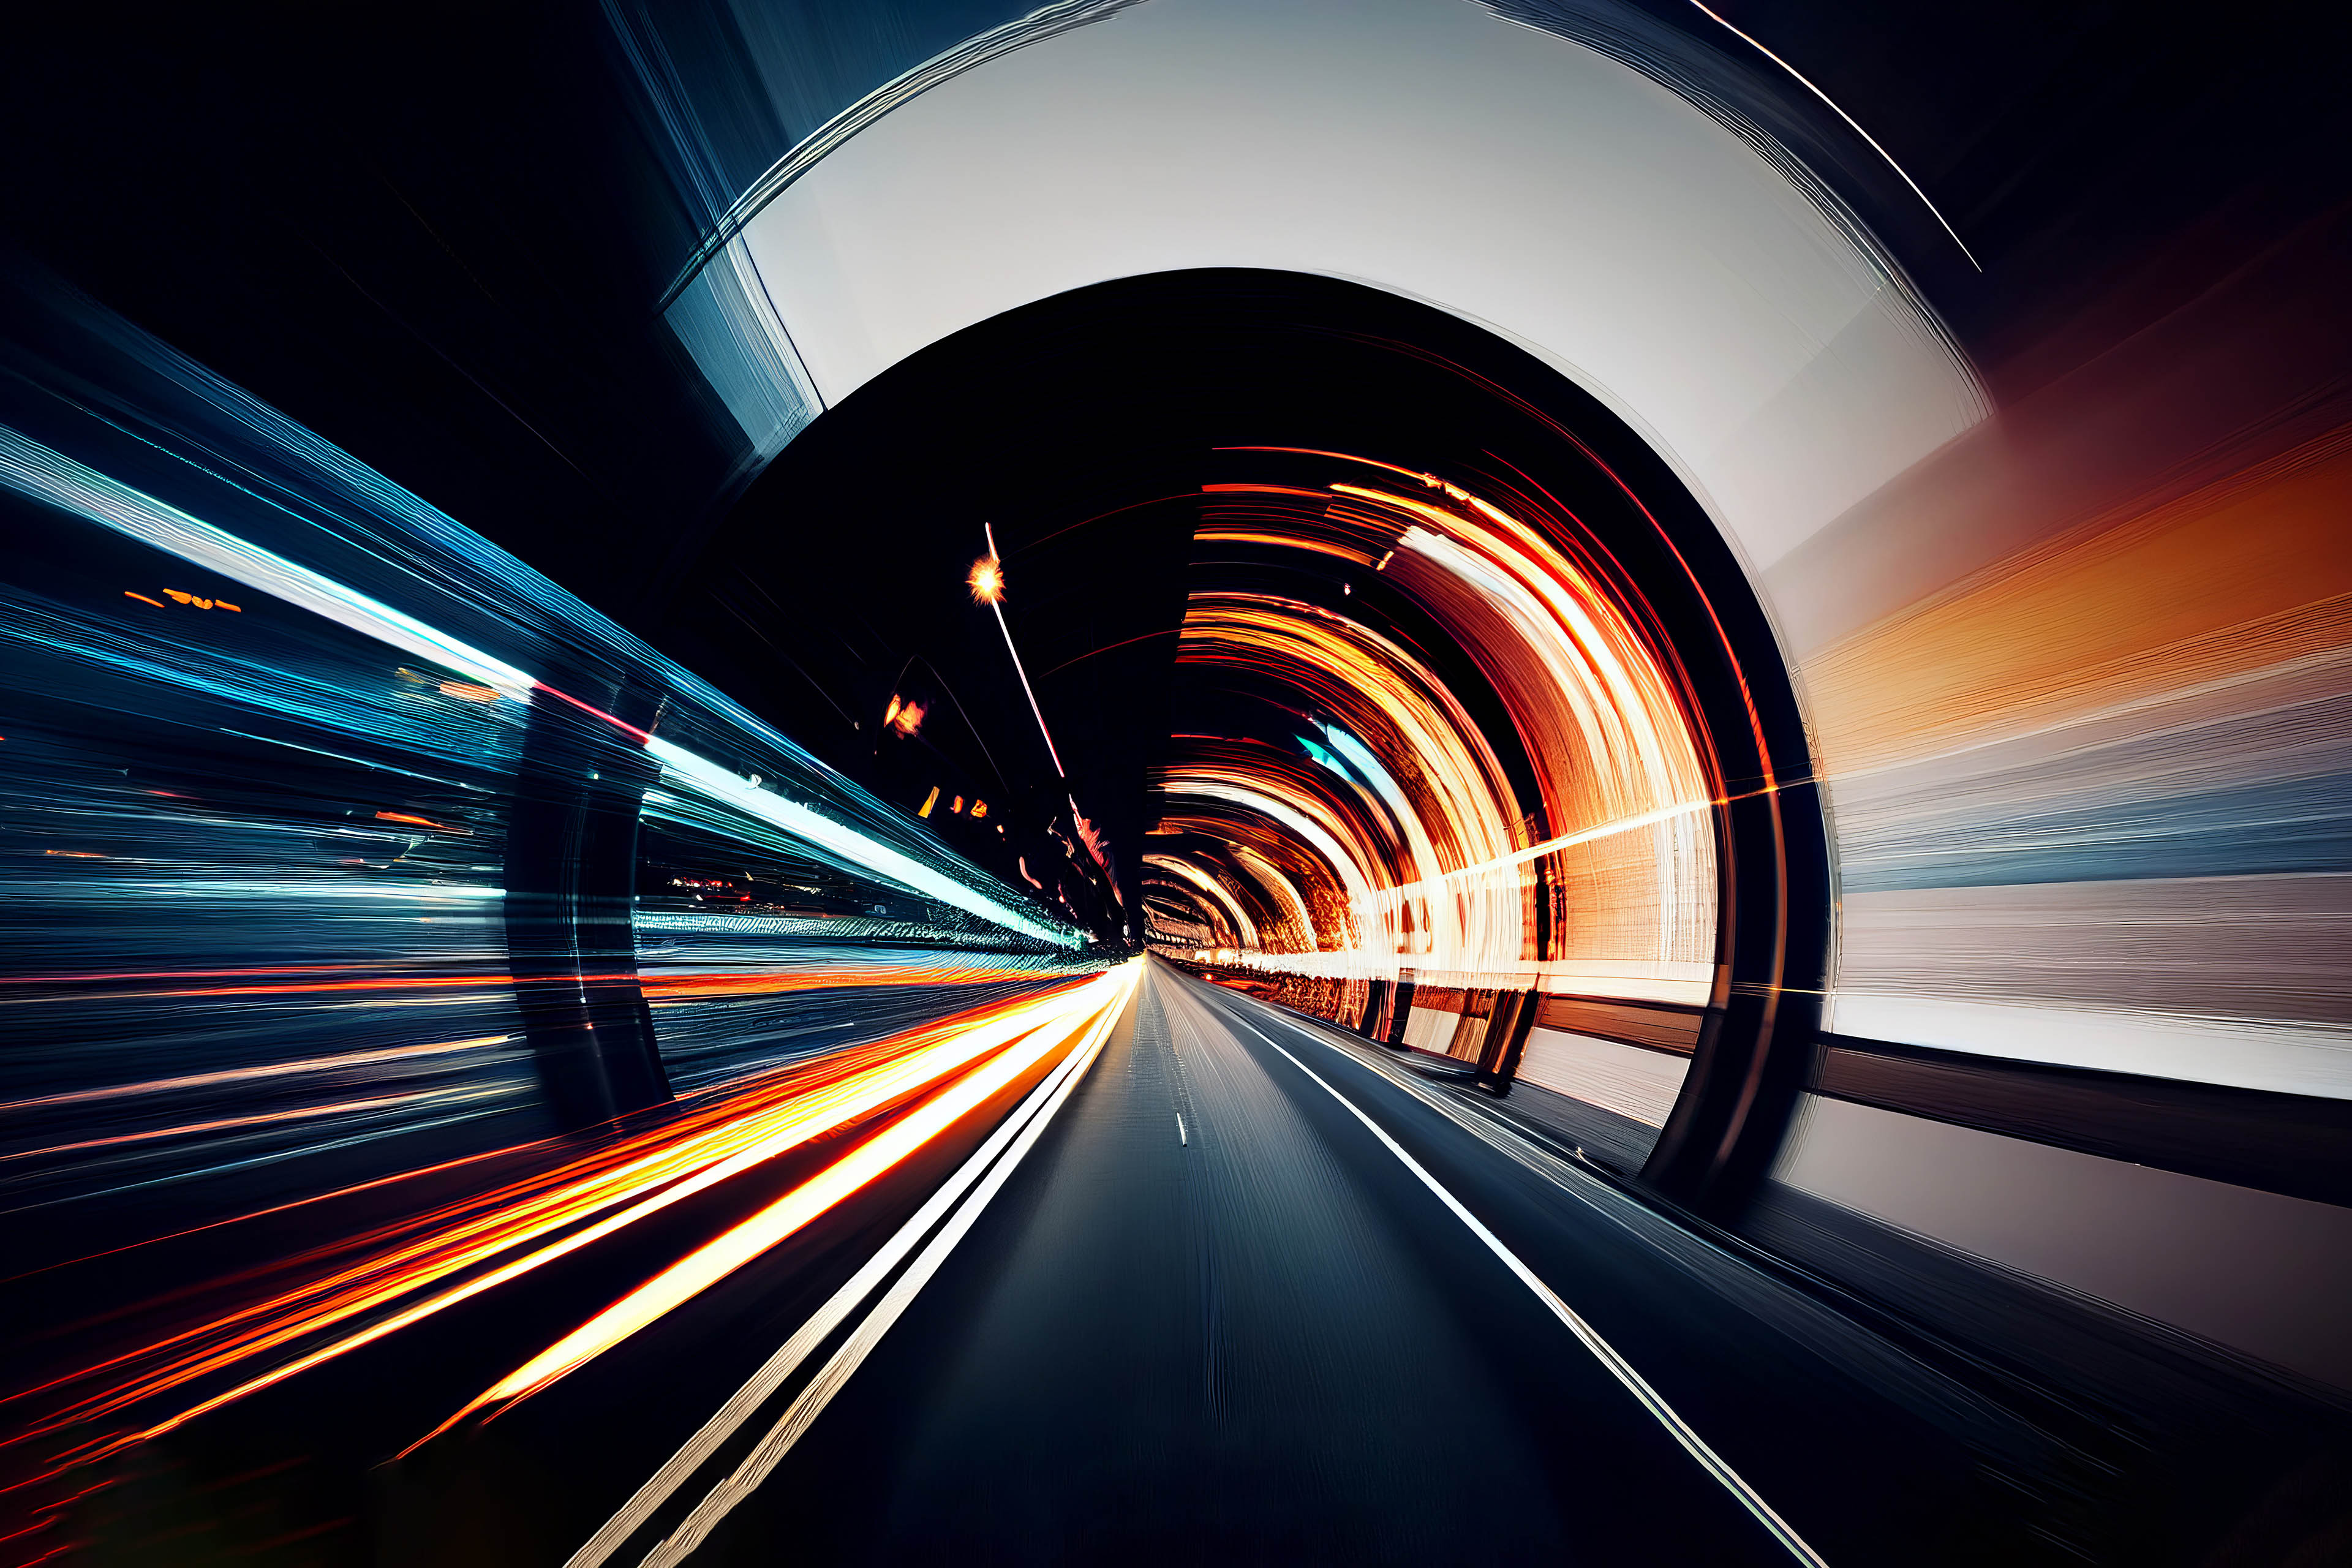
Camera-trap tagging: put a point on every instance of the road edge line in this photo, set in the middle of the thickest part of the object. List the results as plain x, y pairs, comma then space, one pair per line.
1602, 1350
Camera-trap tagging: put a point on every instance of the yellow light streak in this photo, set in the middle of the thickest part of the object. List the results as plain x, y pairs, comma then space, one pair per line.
1055, 1026
714, 1143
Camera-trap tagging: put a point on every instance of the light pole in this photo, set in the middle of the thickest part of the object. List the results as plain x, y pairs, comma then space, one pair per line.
987, 581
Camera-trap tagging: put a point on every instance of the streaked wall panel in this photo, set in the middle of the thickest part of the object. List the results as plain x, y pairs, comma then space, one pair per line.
2258, 1271
1631, 1081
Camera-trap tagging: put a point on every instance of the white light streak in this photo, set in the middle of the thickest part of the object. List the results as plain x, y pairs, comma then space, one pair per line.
997, 604
59, 480
1858, 131
1549, 846
708, 779
63, 483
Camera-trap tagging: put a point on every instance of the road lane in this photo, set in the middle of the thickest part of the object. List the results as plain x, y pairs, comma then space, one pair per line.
1259, 1339
1875, 1452
1628, 1376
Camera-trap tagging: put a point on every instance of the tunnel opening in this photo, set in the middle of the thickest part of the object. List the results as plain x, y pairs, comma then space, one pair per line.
1396, 677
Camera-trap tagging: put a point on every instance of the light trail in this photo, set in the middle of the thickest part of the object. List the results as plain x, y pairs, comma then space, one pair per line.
261, 1119
685, 769
298, 1066
484, 1241
1248, 536
1550, 846
244, 1075
71, 486
1459, 811
656, 986
702, 987
1431, 870
59, 481
1269, 875
1245, 929
1290, 814
1021, 1132
1802, 81
713, 1261
845, 1362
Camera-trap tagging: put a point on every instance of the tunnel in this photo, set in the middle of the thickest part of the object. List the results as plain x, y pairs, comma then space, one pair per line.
1176, 779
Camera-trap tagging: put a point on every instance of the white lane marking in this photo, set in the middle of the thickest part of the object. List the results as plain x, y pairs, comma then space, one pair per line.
780, 1367
829, 1378
1179, 1130
1602, 1350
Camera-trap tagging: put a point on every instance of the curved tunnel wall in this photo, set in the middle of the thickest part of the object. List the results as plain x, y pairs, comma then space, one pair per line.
2027, 796
1780, 386
1523, 751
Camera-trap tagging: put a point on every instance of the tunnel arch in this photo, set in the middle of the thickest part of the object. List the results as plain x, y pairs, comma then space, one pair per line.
1612, 215
1100, 431
1674, 260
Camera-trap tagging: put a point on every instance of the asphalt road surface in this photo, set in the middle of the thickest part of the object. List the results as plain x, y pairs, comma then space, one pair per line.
1258, 1294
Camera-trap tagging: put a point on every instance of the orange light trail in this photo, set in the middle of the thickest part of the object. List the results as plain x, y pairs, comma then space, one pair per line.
1246, 536
656, 986
1052, 1028
419, 821
475, 1243
681, 987
300, 1113
276, 1069
1262, 490
1438, 860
